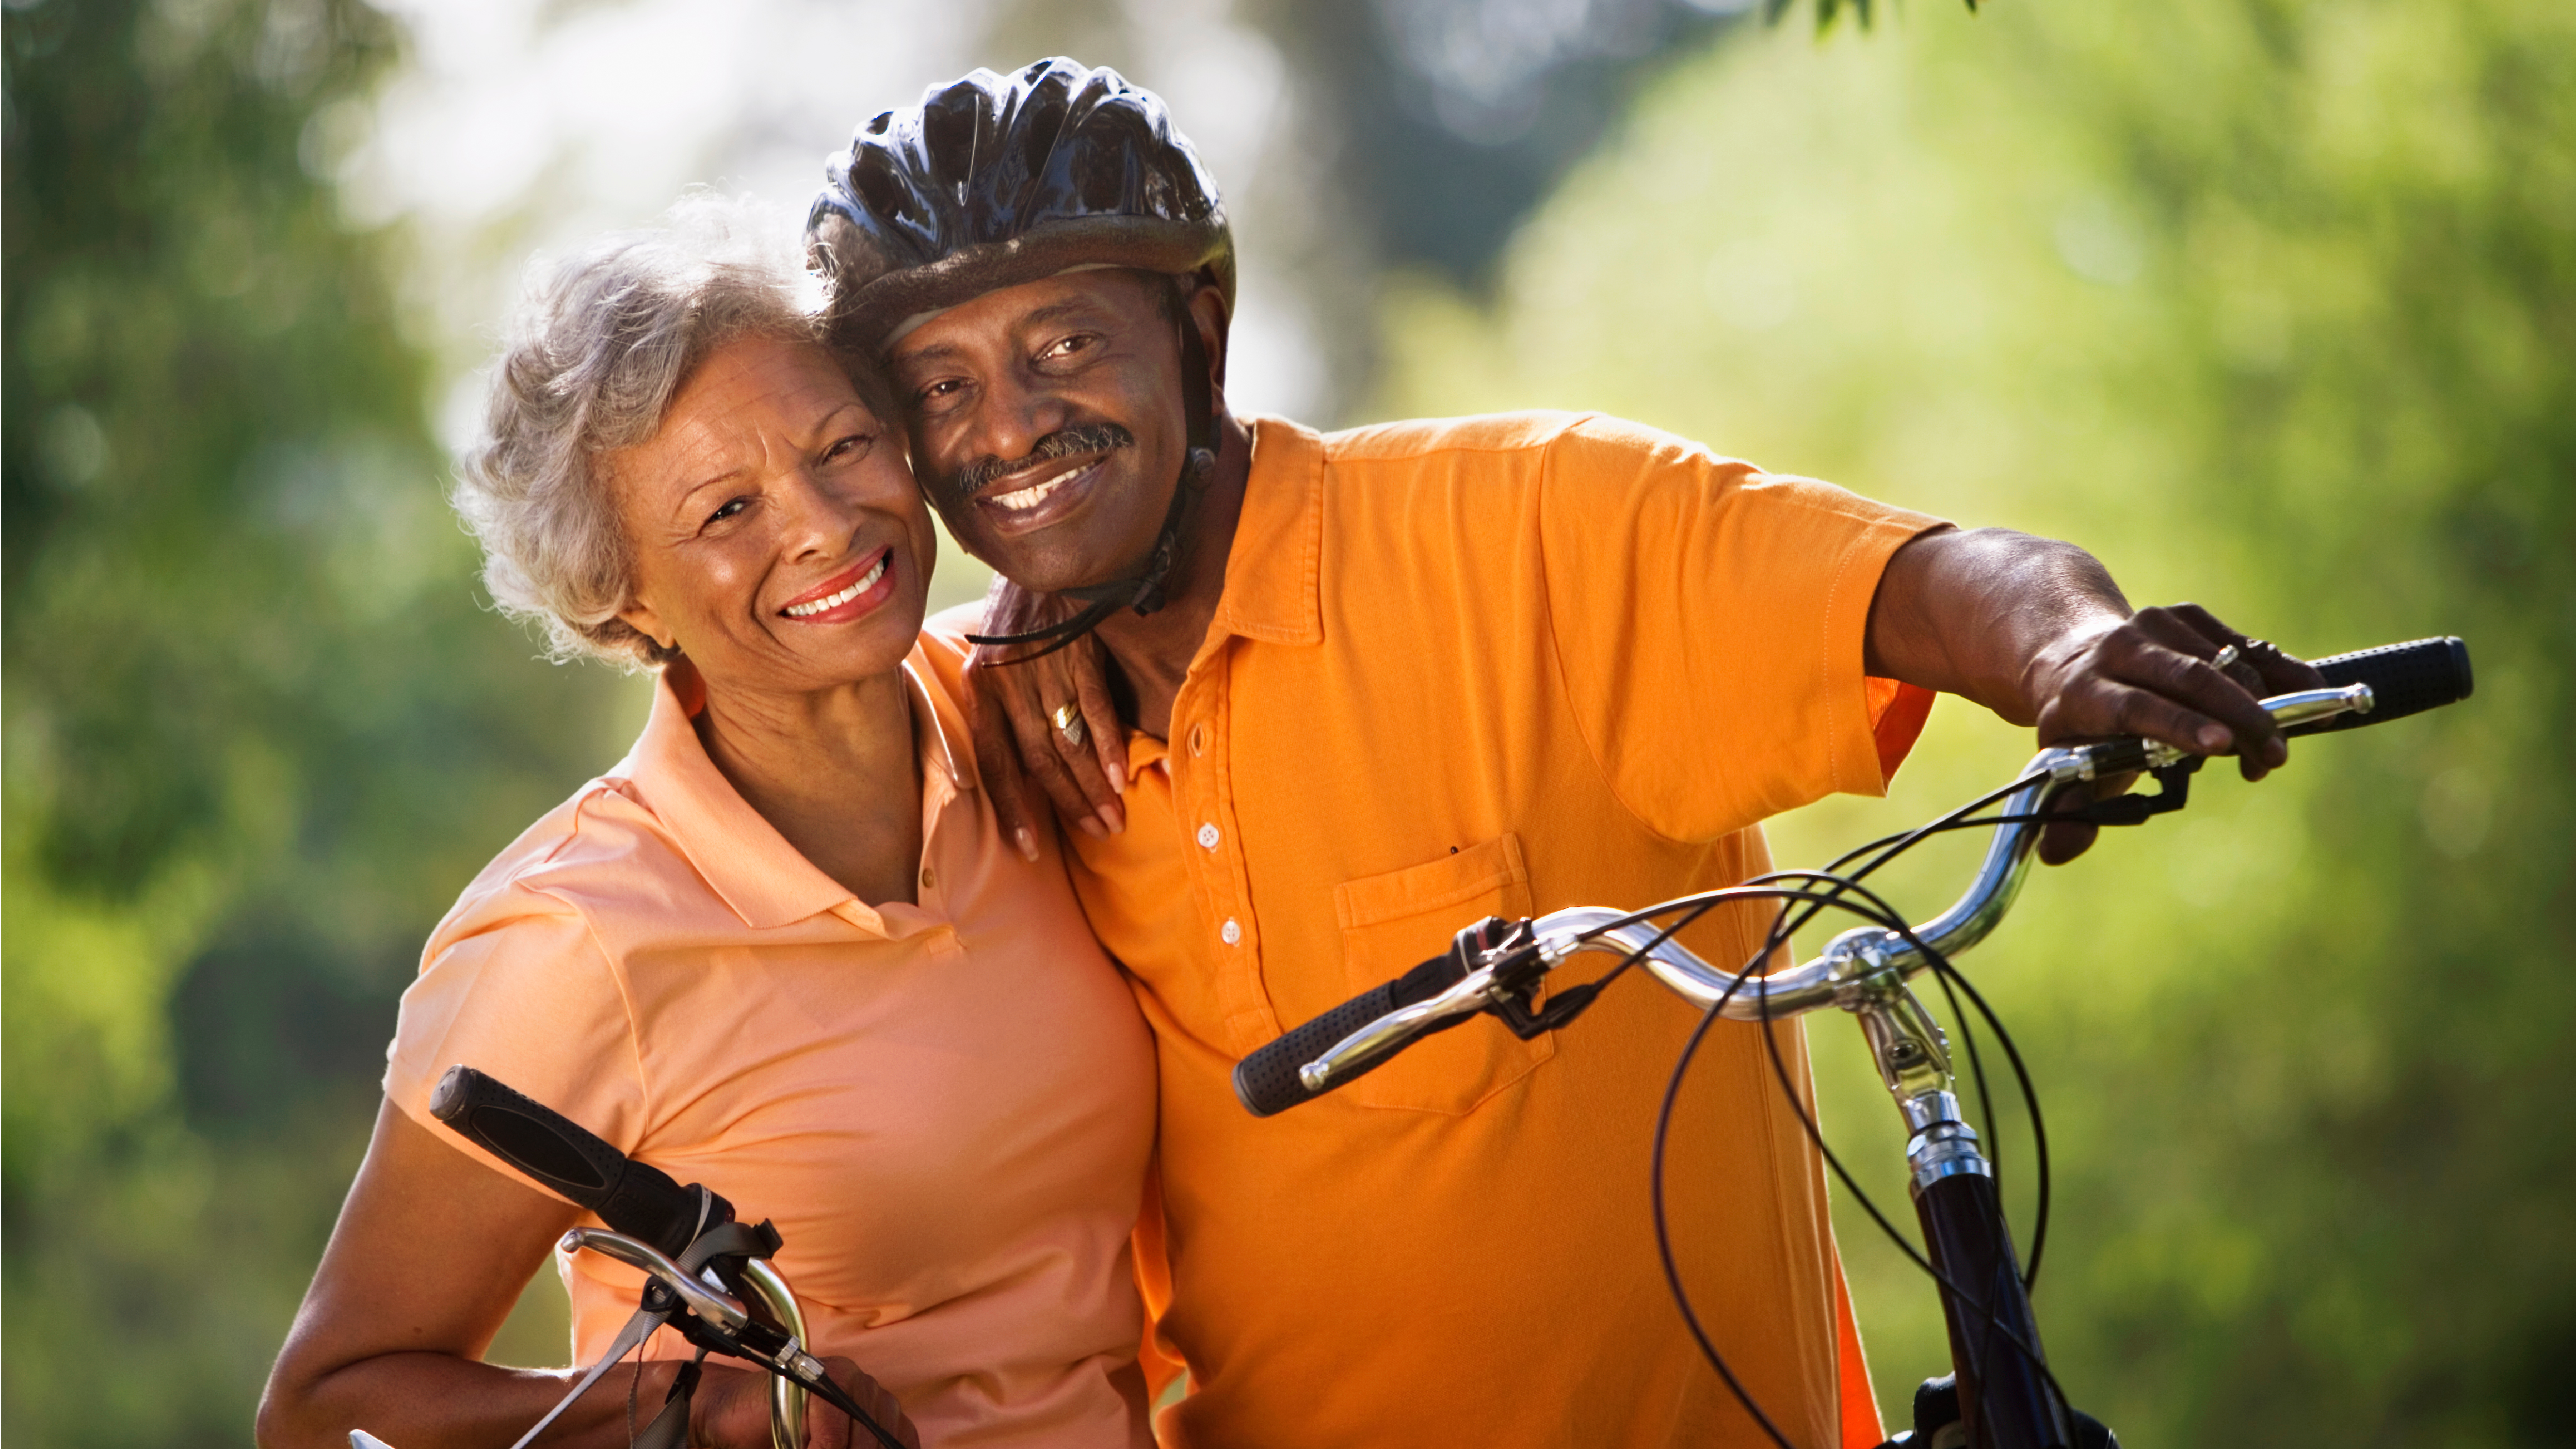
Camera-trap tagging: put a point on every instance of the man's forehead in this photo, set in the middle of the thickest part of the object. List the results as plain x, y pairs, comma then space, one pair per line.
1007, 309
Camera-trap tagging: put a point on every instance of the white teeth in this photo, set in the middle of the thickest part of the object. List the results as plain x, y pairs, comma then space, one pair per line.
1021, 500
807, 611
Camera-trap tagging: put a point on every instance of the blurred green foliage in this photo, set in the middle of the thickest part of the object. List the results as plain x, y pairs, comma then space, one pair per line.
2273, 305
258, 729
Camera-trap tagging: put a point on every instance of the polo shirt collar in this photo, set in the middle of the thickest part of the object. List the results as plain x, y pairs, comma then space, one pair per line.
1273, 589
767, 882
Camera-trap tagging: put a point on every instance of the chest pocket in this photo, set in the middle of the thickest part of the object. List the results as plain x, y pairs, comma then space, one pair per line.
1392, 922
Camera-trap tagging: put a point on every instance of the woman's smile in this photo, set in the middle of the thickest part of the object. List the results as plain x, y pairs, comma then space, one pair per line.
851, 594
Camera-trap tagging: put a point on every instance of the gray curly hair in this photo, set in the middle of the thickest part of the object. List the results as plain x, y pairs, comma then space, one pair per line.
596, 350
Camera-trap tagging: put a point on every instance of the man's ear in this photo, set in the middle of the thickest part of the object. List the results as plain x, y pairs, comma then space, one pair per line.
1208, 314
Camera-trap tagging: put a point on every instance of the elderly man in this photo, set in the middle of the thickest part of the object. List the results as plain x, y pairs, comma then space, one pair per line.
1371, 686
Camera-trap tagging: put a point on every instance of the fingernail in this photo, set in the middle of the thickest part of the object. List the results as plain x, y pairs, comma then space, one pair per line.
1091, 827
1118, 778
1028, 844
2214, 738
1114, 818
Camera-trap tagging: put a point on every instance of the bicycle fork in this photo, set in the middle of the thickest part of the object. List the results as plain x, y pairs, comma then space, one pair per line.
2005, 1397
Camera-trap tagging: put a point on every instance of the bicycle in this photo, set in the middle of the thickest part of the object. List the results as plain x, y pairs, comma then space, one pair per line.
706, 1273
2001, 1394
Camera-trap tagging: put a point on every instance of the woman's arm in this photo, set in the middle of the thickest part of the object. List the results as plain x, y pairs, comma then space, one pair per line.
430, 1253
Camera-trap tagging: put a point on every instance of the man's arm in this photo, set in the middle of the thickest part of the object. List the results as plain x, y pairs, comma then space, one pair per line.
2036, 631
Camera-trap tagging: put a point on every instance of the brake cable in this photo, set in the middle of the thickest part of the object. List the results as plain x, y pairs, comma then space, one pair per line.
1879, 912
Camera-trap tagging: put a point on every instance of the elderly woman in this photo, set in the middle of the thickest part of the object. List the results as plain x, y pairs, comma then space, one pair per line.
780, 949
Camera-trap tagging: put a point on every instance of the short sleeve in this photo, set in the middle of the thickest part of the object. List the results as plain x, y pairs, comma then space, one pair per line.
517, 987
1710, 622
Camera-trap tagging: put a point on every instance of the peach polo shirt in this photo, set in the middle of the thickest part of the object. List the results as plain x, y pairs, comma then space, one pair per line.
1496, 666
947, 1108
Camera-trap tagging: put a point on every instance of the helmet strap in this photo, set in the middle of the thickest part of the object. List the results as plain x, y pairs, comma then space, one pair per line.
1144, 590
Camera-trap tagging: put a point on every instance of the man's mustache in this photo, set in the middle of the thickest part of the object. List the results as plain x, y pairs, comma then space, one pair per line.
971, 478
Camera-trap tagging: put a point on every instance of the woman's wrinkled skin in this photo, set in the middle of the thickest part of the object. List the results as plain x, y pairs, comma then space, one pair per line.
768, 483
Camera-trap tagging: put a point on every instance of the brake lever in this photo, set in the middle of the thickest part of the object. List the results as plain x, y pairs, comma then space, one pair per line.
2173, 791
1518, 966
717, 1321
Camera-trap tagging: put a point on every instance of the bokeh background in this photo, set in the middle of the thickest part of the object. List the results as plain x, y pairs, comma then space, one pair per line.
2272, 303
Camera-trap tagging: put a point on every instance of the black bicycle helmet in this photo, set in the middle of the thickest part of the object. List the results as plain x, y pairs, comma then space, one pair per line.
993, 181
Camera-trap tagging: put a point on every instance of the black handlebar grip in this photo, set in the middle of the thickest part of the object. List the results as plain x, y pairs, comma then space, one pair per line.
1267, 1082
632, 1197
2404, 679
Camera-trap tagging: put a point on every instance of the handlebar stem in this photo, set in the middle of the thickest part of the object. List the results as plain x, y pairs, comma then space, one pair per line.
1907, 1044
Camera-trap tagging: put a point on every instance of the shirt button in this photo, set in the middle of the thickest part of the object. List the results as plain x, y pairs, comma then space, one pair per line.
1207, 837
1231, 933
1198, 740
927, 879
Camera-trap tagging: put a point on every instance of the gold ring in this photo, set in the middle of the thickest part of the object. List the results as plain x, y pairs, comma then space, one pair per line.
1068, 723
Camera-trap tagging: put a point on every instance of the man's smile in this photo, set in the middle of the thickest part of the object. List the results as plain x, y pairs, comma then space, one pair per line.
1051, 491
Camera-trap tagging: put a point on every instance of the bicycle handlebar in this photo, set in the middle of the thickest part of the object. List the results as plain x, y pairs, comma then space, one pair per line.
2404, 679
2370, 686
1267, 1082
707, 1270
634, 1198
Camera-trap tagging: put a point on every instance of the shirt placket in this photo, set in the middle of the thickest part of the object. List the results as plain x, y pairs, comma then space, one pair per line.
943, 804
944, 824
1203, 795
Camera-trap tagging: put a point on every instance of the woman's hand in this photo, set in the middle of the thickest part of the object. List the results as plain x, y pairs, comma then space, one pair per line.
1015, 703
731, 1411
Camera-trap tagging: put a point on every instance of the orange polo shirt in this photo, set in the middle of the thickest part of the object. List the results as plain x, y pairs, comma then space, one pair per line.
1493, 666
946, 1107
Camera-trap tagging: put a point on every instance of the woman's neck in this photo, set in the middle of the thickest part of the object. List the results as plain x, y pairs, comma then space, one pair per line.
834, 771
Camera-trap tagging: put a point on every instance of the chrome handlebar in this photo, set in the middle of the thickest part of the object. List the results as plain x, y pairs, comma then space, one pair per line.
1835, 976
797, 1370
712, 1304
